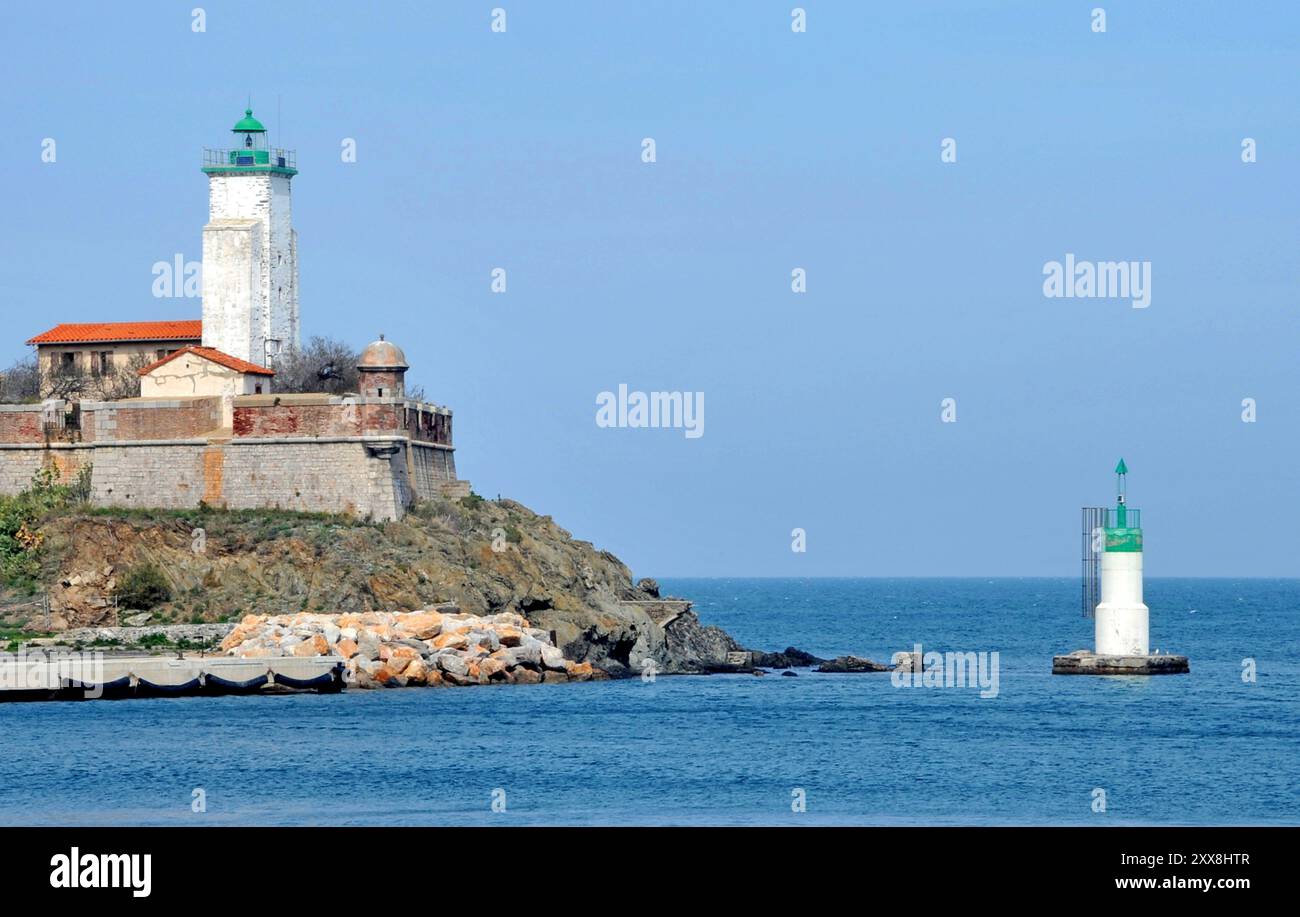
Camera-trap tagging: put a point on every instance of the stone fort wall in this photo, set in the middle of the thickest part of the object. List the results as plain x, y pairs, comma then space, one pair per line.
168, 454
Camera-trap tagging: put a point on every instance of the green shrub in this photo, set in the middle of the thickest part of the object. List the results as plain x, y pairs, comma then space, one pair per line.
143, 587
20, 533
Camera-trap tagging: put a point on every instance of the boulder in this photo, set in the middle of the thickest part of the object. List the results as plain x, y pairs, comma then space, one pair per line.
580, 671
416, 672
422, 625
452, 640
493, 667
529, 653
452, 664
553, 658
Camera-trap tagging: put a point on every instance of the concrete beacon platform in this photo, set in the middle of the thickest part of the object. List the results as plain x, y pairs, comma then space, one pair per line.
1086, 662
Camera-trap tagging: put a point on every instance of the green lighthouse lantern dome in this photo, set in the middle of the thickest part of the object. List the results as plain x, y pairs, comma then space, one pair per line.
251, 153
248, 124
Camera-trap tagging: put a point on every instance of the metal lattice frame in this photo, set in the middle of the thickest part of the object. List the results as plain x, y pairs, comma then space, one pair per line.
1094, 519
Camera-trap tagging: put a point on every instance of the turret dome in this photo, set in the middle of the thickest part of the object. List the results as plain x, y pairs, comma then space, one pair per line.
383, 355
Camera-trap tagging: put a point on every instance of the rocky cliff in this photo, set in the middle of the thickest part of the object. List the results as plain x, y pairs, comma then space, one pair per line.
485, 557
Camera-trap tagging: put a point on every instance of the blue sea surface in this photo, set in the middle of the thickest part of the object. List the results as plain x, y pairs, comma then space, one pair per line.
1205, 748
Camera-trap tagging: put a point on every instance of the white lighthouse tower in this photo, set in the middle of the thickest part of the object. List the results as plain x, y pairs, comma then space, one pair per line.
1112, 553
1123, 619
250, 248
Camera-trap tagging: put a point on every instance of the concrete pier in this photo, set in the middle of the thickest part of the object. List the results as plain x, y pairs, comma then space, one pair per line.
1086, 662
39, 675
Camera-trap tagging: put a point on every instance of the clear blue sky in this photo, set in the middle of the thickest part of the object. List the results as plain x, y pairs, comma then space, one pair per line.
775, 150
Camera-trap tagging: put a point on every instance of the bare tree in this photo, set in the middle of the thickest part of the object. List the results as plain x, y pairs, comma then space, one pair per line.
21, 382
73, 381
323, 365
122, 380
66, 381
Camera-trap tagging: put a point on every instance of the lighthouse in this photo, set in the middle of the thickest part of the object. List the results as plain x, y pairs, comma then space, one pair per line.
1112, 595
1122, 618
250, 248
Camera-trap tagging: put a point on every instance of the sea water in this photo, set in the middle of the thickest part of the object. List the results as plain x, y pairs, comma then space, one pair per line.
1212, 747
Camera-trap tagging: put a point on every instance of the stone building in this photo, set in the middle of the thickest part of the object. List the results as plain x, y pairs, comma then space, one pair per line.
204, 371
372, 455
83, 359
204, 426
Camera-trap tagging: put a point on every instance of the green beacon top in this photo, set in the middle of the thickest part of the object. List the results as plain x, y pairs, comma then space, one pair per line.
251, 153
1123, 523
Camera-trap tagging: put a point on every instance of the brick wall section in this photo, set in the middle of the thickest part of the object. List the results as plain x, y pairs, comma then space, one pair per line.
261, 416
131, 421
21, 424
383, 383
298, 420
427, 426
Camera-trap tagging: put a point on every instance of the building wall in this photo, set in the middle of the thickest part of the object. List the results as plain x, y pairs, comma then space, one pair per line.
19, 464
21, 423
300, 415
282, 267
232, 268
124, 357
241, 317
195, 375
192, 375
146, 420
431, 470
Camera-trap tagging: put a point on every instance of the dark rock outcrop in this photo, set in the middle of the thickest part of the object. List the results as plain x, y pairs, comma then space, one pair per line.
852, 664
788, 658
649, 586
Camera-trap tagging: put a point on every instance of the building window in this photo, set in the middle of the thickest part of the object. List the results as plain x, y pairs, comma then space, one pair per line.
160, 353
105, 362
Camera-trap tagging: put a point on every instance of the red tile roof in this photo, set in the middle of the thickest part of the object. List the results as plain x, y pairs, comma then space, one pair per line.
216, 356
111, 332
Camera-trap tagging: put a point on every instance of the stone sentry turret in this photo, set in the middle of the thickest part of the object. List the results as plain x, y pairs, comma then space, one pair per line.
382, 370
